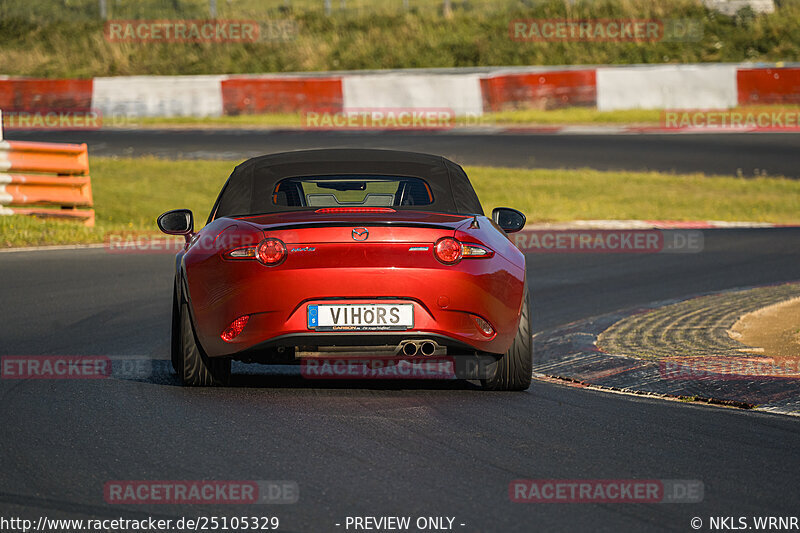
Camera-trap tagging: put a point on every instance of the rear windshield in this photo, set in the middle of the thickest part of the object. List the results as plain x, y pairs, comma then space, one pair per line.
355, 190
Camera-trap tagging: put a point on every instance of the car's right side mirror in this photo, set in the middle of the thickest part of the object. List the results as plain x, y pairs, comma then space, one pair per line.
509, 220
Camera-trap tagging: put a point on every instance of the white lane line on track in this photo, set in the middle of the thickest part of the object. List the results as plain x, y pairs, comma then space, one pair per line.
54, 248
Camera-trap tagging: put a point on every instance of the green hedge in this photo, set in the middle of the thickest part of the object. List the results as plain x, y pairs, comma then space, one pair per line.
68, 41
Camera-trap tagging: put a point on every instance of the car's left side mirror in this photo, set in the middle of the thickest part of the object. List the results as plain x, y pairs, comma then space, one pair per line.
177, 222
509, 220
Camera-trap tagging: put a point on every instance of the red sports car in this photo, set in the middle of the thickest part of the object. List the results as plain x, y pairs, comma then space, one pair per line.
323, 252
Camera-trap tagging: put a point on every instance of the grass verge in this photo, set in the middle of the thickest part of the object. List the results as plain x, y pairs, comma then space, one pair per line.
520, 117
130, 193
62, 40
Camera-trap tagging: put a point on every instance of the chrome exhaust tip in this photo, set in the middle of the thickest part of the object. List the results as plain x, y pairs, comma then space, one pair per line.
410, 349
427, 348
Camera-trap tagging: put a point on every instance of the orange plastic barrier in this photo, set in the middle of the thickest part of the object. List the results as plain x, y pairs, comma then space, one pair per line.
60, 178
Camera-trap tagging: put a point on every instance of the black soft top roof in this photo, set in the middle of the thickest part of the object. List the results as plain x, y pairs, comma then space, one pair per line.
250, 186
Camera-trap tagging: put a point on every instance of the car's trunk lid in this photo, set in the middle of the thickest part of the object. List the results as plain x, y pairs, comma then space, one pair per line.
345, 227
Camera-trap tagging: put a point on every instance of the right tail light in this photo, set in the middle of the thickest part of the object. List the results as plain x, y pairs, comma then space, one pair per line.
450, 251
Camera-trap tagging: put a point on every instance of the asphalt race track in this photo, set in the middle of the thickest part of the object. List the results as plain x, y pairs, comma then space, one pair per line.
369, 448
725, 154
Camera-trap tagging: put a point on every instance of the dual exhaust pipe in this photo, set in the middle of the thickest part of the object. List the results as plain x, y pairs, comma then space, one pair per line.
411, 348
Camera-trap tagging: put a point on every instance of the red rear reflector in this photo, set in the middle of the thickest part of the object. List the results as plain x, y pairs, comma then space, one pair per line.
355, 210
271, 251
448, 250
236, 327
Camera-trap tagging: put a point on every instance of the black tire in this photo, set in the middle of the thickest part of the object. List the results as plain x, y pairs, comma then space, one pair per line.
512, 371
175, 335
197, 369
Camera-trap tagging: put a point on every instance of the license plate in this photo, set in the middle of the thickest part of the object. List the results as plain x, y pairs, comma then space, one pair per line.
361, 317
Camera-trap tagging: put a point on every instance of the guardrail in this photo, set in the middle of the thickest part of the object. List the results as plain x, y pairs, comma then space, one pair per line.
59, 186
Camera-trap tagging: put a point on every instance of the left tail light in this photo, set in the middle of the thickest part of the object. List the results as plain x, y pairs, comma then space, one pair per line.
268, 252
271, 252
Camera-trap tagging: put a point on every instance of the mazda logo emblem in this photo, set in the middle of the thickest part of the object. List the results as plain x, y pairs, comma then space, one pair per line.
360, 234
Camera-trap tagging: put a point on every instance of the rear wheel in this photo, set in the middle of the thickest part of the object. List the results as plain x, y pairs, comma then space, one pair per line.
195, 368
513, 370
175, 335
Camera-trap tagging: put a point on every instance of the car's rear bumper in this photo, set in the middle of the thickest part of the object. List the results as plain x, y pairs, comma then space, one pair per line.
444, 300
361, 338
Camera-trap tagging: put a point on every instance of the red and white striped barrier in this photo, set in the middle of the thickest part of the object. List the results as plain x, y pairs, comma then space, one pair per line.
460, 93
701, 86
45, 95
768, 85
540, 90
666, 87
246, 95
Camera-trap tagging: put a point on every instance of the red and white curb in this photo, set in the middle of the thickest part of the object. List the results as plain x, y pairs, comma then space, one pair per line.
569, 355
